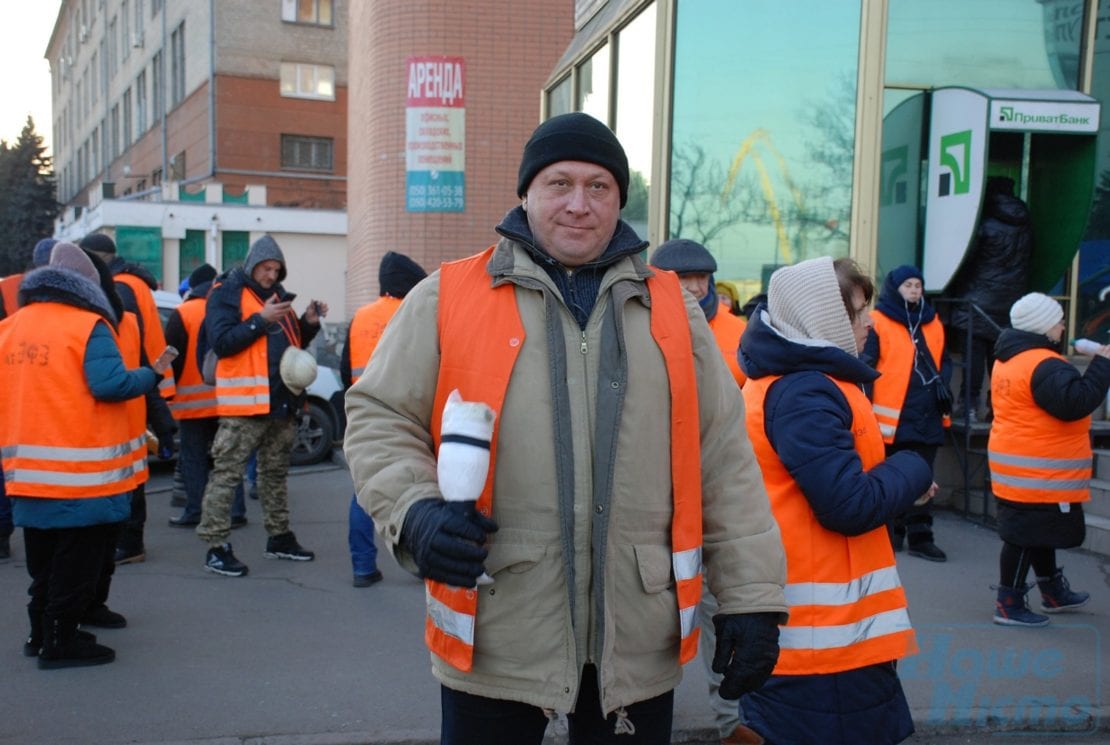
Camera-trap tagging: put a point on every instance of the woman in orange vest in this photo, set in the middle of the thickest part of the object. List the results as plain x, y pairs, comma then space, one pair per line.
1039, 453
832, 493
911, 397
68, 456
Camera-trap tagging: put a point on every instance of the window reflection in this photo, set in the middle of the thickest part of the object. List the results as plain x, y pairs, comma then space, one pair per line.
635, 112
558, 98
763, 142
1093, 300
593, 85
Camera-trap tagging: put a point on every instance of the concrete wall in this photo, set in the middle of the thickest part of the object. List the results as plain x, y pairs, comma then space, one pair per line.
509, 50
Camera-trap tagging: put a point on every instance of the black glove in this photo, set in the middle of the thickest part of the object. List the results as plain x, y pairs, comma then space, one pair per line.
445, 539
747, 650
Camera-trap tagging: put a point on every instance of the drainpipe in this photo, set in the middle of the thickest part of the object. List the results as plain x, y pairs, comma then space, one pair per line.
212, 88
165, 96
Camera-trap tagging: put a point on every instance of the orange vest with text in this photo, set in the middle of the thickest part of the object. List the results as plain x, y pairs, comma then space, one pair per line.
9, 293
366, 329
1033, 456
194, 399
153, 337
56, 440
727, 330
128, 339
480, 335
847, 605
896, 356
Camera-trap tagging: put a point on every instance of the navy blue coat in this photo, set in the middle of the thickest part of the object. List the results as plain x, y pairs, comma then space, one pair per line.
808, 421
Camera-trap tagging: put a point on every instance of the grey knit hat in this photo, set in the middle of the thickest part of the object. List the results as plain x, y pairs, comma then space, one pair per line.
1035, 313
684, 256
805, 304
71, 258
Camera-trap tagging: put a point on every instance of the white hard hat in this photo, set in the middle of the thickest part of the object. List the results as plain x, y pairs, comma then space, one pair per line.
298, 369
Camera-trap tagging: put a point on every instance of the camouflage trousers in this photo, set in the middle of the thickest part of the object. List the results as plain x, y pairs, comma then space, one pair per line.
236, 438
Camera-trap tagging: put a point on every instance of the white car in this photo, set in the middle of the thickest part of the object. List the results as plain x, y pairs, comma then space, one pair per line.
321, 423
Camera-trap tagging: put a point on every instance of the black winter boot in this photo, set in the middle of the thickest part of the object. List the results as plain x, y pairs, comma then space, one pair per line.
1057, 596
63, 647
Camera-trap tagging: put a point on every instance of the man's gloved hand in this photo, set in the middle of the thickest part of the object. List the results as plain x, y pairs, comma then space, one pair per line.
445, 539
747, 650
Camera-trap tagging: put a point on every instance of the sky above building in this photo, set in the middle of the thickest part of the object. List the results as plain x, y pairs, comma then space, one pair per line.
24, 35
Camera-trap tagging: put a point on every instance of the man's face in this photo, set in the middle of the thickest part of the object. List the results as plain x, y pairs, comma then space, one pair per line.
862, 323
572, 209
695, 283
911, 290
265, 273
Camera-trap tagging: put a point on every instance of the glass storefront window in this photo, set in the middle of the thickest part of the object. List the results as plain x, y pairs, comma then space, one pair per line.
1093, 300
984, 44
635, 109
763, 140
593, 85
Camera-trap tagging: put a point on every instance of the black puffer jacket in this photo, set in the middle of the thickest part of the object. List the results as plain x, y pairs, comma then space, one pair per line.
996, 271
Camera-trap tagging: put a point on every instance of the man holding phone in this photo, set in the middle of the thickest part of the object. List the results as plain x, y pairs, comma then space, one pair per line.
250, 324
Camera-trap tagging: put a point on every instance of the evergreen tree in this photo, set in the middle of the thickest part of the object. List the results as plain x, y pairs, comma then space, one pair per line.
28, 204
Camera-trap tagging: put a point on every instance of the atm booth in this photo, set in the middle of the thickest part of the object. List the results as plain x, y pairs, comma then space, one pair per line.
939, 148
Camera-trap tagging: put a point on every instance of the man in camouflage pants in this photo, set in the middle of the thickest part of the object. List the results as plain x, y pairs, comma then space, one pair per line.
249, 324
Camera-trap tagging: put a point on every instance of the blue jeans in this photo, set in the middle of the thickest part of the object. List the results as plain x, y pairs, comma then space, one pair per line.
196, 441
360, 538
476, 720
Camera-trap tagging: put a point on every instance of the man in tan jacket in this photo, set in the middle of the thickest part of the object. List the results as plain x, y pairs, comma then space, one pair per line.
618, 463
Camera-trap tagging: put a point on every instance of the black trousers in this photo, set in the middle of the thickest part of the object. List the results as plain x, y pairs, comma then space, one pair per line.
65, 565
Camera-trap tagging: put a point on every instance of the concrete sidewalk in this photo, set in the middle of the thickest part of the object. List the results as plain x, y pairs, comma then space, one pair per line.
293, 655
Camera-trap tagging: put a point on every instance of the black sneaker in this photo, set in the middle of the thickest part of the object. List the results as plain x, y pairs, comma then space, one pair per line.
221, 561
239, 521
130, 555
103, 617
365, 580
285, 546
928, 551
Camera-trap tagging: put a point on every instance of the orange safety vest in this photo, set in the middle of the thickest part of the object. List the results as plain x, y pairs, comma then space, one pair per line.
243, 379
1033, 456
9, 293
896, 357
728, 329
194, 399
366, 329
153, 337
129, 341
480, 335
847, 605
56, 440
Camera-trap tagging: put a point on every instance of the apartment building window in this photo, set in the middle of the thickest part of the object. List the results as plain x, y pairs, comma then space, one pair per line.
125, 29
113, 48
301, 80
303, 153
177, 65
115, 132
95, 150
155, 6
105, 147
156, 73
156, 177
177, 167
126, 116
317, 12
140, 103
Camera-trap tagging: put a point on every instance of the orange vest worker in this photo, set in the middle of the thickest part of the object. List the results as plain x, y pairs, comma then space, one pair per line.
194, 398
366, 329
896, 356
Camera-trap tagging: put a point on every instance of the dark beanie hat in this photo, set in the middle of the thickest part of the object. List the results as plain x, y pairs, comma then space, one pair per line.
98, 242
397, 274
900, 274
684, 256
575, 136
203, 273
41, 255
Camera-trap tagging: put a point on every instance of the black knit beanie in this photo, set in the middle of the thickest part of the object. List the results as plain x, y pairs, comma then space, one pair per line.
203, 273
684, 256
98, 242
397, 274
574, 136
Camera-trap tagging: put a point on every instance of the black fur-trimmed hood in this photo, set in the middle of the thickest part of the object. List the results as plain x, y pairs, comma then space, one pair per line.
52, 285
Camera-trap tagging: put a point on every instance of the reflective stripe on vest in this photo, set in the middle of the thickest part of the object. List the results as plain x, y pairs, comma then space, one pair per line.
194, 399
1034, 457
56, 440
847, 604
896, 358
480, 365
366, 329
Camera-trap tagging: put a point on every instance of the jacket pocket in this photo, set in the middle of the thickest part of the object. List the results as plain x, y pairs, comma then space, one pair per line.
654, 564
514, 558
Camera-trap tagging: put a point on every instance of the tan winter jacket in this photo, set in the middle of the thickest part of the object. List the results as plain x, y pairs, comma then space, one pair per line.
583, 577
